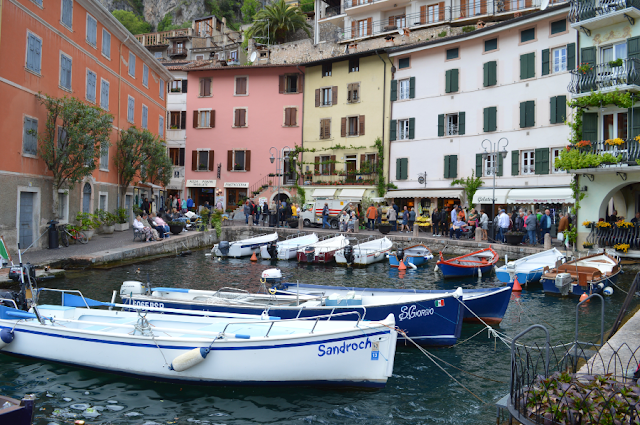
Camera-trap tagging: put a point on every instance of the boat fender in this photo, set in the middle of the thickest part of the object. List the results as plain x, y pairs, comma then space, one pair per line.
189, 359
436, 268
6, 337
600, 285
608, 290
458, 293
413, 266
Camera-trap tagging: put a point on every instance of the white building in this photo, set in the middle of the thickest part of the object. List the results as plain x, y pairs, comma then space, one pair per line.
505, 81
177, 127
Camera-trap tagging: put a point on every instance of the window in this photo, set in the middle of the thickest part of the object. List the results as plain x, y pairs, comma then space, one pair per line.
558, 26
92, 30
558, 110
325, 128
555, 154
399, 21
106, 44
452, 125
353, 93
404, 89
161, 126
161, 89
614, 125
527, 66
67, 13
30, 137
240, 160
240, 117
158, 55
241, 86
352, 126
452, 53
38, 2
326, 70
451, 81
368, 163
132, 65
34, 53
176, 155
102, 201
288, 83
404, 63
490, 74
290, 117
612, 53
65, 71
490, 165
559, 59
91, 86
131, 104
178, 120
205, 87
527, 164
450, 166
327, 96
203, 160
104, 95
354, 64
178, 86
527, 35
63, 206
403, 129
402, 165
145, 75
104, 157
145, 117
203, 119
490, 45
490, 119
431, 14
527, 114
325, 165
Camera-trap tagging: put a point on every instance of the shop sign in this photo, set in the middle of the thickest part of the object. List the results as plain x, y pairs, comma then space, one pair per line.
239, 185
201, 183
482, 199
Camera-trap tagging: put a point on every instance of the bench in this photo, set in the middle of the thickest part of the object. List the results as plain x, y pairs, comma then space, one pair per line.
138, 234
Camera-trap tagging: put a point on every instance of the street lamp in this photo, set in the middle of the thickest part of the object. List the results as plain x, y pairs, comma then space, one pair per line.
278, 156
494, 150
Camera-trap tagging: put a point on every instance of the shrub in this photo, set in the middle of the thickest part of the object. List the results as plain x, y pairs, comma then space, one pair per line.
468, 28
442, 34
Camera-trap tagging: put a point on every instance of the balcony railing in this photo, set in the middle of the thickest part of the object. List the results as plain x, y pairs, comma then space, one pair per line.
178, 172
629, 151
587, 78
160, 38
354, 3
583, 10
177, 51
337, 179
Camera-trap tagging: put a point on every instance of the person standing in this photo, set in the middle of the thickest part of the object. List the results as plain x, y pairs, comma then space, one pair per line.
167, 203
273, 211
484, 224
412, 218
344, 219
503, 222
392, 216
145, 205
563, 226
405, 220
247, 211
435, 222
372, 214
294, 211
190, 204
454, 213
444, 222
379, 211
532, 223
219, 205
265, 213
325, 216
184, 205
545, 224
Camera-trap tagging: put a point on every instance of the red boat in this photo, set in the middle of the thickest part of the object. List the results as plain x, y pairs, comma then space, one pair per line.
468, 264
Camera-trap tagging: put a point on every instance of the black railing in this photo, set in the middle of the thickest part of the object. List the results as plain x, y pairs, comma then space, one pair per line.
582, 10
627, 152
603, 237
604, 75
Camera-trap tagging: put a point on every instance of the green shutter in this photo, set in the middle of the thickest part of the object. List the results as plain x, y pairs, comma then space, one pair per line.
398, 168
485, 126
454, 80
571, 56
492, 73
404, 163
485, 72
561, 109
461, 123
588, 56
394, 90
392, 130
515, 163
453, 166
412, 128
633, 52
545, 62
446, 166
590, 127
633, 147
553, 112
523, 114
478, 165
530, 114
500, 163
412, 87
447, 81
440, 125
527, 66
493, 118
542, 161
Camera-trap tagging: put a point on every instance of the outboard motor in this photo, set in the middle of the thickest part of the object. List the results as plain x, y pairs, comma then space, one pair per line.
310, 253
272, 249
400, 254
348, 254
133, 287
272, 278
223, 246
15, 272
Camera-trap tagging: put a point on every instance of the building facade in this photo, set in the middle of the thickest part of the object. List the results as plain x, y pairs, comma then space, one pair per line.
503, 86
177, 128
67, 48
235, 115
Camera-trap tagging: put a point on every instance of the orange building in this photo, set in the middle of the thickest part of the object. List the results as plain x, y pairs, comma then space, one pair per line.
72, 48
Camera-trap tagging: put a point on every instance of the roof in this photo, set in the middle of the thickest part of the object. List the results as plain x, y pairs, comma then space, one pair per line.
213, 66
345, 56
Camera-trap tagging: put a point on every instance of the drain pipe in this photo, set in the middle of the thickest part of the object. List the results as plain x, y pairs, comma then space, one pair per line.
384, 95
118, 198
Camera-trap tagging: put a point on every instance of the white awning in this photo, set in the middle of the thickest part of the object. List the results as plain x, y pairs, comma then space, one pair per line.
352, 194
541, 195
485, 196
323, 193
433, 193
152, 186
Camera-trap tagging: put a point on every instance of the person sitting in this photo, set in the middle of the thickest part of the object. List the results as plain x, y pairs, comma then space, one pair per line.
145, 223
351, 224
138, 225
457, 227
635, 220
161, 226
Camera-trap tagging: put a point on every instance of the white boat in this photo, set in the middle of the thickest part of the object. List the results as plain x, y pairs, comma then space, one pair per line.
368, 252
205, 350
244, 247
286, 249
529, 268
323, 251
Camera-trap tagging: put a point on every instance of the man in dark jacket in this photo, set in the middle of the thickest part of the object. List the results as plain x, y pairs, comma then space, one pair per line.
444, 222
325, 216
435, 222
146, 206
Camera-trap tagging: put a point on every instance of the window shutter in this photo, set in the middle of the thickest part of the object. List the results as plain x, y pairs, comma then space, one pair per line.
461, 123
545, 62
454, 80
362, 160
195, 119
212, 121
281, 83
633, 52
571, 56
183, 120
590, 127
441, 11
453, 166
287, 120
236, 118
349, 88
294, 116
553, 112
412, 128
334, 95
561, 109
343, 128
485, 126
229, 160
184, 86
394, 90
322, 129
531, 64
404, 168
243, 117
523, 116
412, 88
392, 130
300, 83
493, 74
332, 166
542, 161
530, 113
369, 25
317, 97
446, 166
485, 76
194, 160
398, 168
447, 81
440, 125
633, 124
515, 163
210, 159
317, 163
523, 67
493, 118
247, 160
361, 125
478, 165
207, 86
500, 161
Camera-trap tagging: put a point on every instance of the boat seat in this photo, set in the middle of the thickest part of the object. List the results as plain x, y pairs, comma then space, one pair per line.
108, 322
571, 268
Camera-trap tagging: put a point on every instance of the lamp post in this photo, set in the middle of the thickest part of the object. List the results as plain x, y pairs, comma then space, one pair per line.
279, 155
494, 150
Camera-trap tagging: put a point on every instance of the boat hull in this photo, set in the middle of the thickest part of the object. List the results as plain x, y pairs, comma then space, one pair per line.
416, 260
523, 277
453, 271
362, 259
319, 257
240, 249
549, 286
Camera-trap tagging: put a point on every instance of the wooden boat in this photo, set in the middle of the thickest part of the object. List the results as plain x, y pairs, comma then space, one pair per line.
323, 251
368, 252
529, 268
244, 247
469, 264
590, 274
287, 249
17, 412
416, 255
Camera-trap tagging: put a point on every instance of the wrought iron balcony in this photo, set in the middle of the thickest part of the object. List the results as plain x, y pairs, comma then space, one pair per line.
602, 76
582, 10
628, 152
341, 178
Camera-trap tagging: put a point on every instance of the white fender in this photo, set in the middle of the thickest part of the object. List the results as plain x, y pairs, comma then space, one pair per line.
413, 266
189, 359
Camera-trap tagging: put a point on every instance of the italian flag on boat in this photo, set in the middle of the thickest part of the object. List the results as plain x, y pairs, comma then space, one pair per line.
439, 303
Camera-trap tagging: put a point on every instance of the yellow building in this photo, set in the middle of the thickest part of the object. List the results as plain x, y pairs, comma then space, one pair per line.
346, 109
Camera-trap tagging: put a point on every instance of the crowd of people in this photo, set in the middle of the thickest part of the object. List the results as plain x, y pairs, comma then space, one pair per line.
281, 211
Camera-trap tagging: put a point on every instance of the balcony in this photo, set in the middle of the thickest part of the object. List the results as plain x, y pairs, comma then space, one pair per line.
628, 152
605, 77
177, 51
593, 14
161, 38
331, 12
384, 26
340, 178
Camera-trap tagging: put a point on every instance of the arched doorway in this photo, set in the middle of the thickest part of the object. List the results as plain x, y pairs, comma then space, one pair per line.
86, 198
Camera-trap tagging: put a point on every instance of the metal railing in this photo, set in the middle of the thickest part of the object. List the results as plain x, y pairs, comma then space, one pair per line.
581, 10
601, 76
160, 38
610, 236
627, 152
346, 179
177, 51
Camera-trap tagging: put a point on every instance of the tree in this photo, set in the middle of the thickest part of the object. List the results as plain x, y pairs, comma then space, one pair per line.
75, 135
157, 166
470, 185
167, 24
307, 5
132, 22
249, 9
276, 21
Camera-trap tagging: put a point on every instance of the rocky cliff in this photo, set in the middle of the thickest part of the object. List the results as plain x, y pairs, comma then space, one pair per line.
154, 10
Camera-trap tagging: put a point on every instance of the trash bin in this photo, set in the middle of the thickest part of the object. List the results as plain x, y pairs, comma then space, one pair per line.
273, 220
53, 234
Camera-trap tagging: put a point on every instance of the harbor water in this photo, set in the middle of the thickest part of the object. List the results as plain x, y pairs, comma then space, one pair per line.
419, 392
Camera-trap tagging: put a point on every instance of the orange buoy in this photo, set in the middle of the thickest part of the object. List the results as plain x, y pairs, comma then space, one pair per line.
516, 285
401, 266
253, 257
583, 297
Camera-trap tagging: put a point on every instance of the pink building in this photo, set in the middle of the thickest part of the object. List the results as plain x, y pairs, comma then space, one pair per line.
235, 115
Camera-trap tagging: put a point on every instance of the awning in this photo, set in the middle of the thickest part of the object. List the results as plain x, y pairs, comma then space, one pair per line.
323, 193
351, 193
152, 186
541, 195
485, 196
433, 193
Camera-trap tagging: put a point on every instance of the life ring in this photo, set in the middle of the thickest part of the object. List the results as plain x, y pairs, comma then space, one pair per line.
263, 280
273, 291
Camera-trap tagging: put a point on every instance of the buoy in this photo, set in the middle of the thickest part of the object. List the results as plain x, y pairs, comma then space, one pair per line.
401, 266
6, 337
516, 285
413, 266
253, 257
608, 290
479, 272
189, 359
583, 297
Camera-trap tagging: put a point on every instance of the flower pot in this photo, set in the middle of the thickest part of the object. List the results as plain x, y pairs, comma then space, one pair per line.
89, 233
293, 223
514, 238
108, 230
176, 229
121, 227
384, 228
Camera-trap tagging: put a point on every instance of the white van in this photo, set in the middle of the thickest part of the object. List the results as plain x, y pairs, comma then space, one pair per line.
312, 212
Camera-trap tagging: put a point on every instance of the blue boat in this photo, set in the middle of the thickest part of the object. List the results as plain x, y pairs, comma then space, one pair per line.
416, 255
469, 264
586, 275
530, 268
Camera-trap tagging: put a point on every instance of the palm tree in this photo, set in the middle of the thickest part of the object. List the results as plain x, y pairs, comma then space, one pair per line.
277, 20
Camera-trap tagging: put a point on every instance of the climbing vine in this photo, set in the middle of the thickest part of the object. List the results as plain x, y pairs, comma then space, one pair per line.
621, 100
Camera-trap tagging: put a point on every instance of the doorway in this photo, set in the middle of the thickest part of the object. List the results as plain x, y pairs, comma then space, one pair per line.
234, 196
26, 219
86, 198
351, 168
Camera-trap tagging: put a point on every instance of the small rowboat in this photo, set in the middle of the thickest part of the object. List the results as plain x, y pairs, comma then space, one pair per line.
416, 255
529, 268
590, 274
244, 247
368, 252
287, 249
468, 264
323, 251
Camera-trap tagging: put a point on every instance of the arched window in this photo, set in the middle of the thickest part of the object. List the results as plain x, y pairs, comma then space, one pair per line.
86, 198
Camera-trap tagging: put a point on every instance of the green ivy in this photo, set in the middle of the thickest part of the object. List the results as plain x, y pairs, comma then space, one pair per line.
621, 100
381, 186
575, 159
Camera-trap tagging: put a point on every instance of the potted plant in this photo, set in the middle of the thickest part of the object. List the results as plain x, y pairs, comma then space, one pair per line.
176, 227
585, 68
108, 221
206, 216
621, 247
87, 223
588, 224
514, 237
615, 63
292, 223
384, 227
587, 245
122, 220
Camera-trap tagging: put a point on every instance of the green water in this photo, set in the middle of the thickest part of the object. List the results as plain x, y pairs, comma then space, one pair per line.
417, 393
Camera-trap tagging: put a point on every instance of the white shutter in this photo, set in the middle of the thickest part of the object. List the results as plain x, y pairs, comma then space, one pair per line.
161, 126
106, 43
104, 95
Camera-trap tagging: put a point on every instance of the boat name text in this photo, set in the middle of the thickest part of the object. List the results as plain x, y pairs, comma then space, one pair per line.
149, 304
408, 313
323, 350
